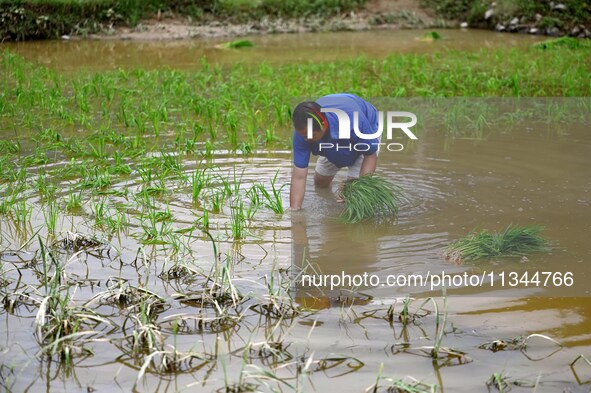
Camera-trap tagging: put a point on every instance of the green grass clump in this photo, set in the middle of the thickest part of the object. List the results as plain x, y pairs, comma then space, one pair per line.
563, 42
514, 241
369, 196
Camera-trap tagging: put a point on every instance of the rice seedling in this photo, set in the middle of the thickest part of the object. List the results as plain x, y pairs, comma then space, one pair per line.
441, 355
226, 185
406, 316
217, 291
204, 220
154, 190
45, 187
237, 220
499, 382
50, 214
439, 328
146, 336
231, 125
199, 180
236, 181
170, 164
74, 200
60, 327
270, 353
97, 179
368, 197
119, 166
173, 361
100, 210
155, 229
246, 147
277, 301
216, 199
100, 150
117, 222
146, 174
22, 212
5, 207
514, 241
209, 149
8, 147
124, 295
273, 199
260, 375
251, 210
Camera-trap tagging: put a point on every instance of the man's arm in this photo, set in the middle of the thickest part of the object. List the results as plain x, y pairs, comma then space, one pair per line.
297, 187
368, 166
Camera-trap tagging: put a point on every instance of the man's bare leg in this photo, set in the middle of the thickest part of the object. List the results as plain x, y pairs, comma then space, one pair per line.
322, 181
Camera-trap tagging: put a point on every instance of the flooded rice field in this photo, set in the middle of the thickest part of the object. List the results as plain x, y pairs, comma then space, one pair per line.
140, 251
274, 49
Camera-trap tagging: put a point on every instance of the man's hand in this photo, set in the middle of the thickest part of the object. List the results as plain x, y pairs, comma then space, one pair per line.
368, 166
297, 187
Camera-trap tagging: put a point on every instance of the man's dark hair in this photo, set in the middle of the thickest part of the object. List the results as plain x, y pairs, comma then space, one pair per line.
304, 111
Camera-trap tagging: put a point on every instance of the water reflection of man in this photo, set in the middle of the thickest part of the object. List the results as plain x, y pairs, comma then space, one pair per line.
328, 247
325, 133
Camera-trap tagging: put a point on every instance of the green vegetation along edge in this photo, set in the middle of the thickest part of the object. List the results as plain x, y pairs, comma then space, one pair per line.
41, 19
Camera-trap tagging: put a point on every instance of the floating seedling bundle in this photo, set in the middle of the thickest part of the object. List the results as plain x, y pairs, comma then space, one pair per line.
514, 241
368, 197
236, 44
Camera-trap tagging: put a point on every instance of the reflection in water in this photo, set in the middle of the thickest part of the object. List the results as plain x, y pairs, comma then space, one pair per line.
333, 255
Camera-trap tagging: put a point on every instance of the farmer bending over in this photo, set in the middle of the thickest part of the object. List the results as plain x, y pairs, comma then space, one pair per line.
358, 154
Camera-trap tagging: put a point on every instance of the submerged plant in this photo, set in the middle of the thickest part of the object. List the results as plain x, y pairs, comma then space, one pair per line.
514, 241
499, 382
369, 196
406, 385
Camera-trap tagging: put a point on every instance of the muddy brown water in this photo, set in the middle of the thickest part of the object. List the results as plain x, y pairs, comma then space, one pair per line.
274, 49
531, 172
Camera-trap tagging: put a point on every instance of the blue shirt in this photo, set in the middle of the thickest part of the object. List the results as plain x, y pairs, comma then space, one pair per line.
345, 154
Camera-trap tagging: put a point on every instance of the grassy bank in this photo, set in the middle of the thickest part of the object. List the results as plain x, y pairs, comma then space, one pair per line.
31, 19
554, 18
40, 19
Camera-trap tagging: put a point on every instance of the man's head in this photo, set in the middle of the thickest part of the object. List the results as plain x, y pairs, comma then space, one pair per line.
309, 110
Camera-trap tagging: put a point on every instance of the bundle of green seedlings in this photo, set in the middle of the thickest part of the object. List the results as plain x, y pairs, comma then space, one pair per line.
368, 197
514, 241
